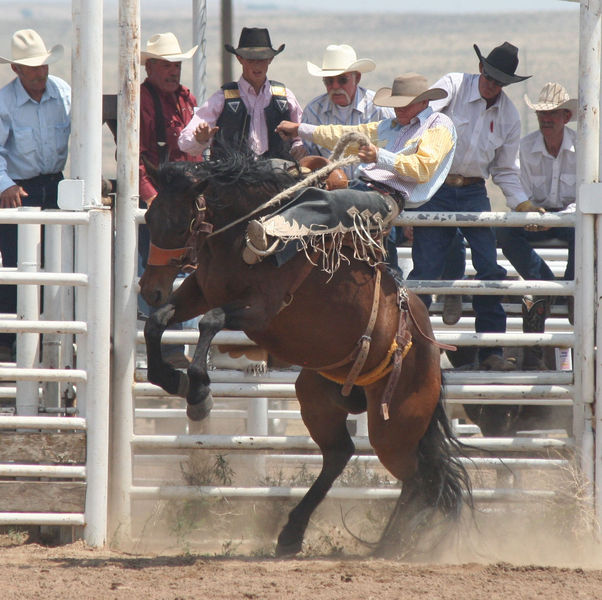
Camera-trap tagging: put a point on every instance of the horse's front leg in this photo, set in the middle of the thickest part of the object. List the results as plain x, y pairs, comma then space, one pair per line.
240, 314
199, 399
160, 372
185, 303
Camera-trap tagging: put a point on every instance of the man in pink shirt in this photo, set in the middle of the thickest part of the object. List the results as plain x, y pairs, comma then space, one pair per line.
247, 112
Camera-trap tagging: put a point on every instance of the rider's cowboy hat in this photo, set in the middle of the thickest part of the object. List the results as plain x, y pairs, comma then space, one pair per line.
407, 89
501, 63
554, 96
340, 59
165, 46
254, 44
28, 49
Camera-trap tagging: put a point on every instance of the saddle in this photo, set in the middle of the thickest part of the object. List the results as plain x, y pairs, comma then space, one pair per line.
324, 221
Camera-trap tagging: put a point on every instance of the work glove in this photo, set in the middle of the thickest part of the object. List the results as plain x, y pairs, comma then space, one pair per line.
528, 206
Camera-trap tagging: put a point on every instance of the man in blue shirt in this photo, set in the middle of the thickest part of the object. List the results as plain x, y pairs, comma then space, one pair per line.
35, 122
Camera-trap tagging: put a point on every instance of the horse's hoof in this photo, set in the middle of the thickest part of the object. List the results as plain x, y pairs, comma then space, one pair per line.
283, 550
201, 410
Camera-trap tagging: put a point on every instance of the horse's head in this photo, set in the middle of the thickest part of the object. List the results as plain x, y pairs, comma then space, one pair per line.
170, 218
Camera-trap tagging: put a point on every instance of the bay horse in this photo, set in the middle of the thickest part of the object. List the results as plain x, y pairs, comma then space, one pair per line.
305, 317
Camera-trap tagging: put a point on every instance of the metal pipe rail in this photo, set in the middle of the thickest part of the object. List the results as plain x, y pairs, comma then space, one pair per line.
161, 492
15, 216
70, 327
306, 444
518, 464
54, 471
482, 287
44, 423
58, 519
485, 219
502, 394
16, 374
42, 278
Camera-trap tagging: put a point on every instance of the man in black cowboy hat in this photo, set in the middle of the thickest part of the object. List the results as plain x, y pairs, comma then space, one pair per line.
247, 112
488, 127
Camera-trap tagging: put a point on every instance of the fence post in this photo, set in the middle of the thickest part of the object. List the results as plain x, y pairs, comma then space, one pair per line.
28, 307
97, 362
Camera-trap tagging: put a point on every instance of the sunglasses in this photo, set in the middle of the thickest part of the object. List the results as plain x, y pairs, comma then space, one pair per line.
490, 78
341, 79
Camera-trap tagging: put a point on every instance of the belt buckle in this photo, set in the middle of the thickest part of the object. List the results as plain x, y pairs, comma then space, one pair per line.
455, 180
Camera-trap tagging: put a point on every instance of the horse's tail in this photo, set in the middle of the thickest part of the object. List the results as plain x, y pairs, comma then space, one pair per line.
441, 484
444, 481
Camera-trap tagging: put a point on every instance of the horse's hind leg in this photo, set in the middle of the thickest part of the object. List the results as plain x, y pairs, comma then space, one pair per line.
324, 414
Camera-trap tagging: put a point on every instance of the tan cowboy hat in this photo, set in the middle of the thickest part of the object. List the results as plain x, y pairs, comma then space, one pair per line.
28, 49
407, 89
340, 59
165, 46
554, 96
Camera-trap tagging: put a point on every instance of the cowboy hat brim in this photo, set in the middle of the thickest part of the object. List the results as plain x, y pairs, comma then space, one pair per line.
384, 97
55, 54
571, 105
496, 73
144, 56
363, 65
254, 52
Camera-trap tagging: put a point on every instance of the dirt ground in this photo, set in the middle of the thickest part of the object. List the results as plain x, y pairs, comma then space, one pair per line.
31, 571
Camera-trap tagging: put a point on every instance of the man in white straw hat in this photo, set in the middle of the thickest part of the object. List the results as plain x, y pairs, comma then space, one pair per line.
548, 173
345, 101
166, 107
245, 113
488, 127
35, 122
407, 157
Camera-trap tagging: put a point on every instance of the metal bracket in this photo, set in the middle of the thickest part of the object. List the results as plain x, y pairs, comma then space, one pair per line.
71, 194
589, 199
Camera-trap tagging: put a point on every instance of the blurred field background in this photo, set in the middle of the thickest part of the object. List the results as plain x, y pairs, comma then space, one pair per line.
432, 44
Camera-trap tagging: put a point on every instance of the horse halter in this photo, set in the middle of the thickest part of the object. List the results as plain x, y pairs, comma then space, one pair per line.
179, 257
162, 257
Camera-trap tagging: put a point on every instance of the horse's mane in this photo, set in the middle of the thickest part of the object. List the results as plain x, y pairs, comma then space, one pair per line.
241, 171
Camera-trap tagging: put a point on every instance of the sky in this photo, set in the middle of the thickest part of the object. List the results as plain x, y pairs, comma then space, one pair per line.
435, 6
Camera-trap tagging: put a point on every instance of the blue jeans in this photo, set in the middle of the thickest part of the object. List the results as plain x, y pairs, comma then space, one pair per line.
42, 192
517, 246
432, 245
455, 261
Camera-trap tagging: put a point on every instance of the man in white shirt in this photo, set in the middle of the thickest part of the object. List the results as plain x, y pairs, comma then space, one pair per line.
345, 101
35, 123
246, 112
488, 129
548, 173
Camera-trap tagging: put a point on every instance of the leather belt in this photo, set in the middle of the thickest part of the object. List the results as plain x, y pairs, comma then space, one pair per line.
461, 181
383, 188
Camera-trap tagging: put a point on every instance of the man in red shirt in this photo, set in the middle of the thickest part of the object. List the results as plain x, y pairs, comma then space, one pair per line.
166, 107
159, 131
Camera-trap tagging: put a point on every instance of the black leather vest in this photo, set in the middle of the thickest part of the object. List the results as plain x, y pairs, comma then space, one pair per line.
233, 123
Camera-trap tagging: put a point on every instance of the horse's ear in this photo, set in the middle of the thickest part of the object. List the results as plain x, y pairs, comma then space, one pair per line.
151, 170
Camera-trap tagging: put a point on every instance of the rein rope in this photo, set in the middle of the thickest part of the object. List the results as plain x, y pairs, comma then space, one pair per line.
344, 141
